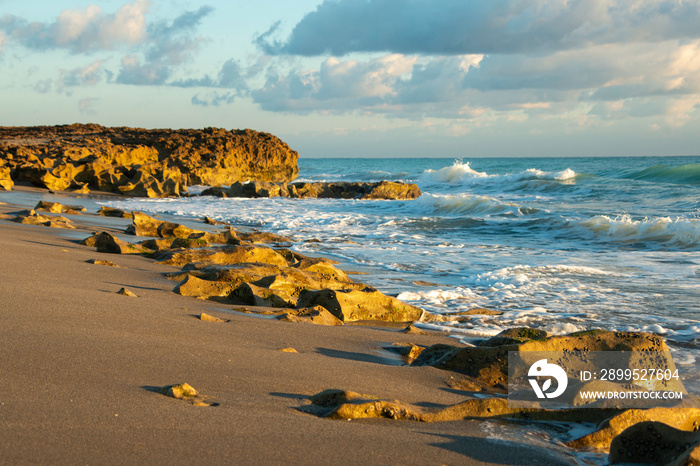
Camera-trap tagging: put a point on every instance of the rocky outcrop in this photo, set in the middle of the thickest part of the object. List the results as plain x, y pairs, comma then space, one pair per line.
140, 162
333, 190
655, 443
6, 182
31, 217
229, 267
488, 364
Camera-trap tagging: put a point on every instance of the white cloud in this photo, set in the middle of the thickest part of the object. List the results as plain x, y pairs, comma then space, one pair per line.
83, 76
83, 30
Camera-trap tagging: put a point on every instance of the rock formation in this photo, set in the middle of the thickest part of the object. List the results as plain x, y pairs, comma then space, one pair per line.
140, 162
230, 267
335, 190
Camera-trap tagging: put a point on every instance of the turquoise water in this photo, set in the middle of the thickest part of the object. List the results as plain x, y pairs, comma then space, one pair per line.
562, 244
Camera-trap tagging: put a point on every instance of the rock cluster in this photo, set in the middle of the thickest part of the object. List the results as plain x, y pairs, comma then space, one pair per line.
32, 217
335, 190
140, 162
233, 267
488, 364
659, 435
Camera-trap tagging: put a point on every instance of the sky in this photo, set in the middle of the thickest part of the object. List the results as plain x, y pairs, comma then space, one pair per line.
367, 78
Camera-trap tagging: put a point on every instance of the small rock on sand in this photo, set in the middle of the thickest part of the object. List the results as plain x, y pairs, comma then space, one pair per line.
208, 318
126, 292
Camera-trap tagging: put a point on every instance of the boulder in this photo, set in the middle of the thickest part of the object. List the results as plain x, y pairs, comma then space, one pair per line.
393, 190
57, 208
314, 315
254, 295
365, 304
655, 443
515, 336
489, 364
222, 255
199, 288
107, 242
125, 292
112, 212
145, 225
32, 218
683, 418
6, 182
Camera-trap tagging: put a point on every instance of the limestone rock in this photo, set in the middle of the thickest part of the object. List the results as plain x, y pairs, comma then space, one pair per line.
515, 336
489, 364
354, 305
185, 392
247, 293
107, 242
654, 443
683, 418
224, 255
336, 190
6, 182
208, 318
112, 212
315, 315
102, 262
32, 218
126, 292
57, 208
193, 286
142, 162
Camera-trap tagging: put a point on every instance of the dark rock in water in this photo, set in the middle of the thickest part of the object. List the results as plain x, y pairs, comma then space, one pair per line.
140, 162
335, 190
515, 336
112, 212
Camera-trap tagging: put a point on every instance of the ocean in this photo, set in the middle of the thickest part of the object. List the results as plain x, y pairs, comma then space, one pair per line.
560, 244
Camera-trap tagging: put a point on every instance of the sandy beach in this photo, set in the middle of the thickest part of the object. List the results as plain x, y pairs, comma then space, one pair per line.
80, 363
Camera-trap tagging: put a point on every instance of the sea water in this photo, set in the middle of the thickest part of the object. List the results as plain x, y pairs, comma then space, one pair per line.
561, 244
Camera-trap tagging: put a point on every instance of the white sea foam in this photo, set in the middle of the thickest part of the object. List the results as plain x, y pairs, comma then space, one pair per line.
461, 173
681, 232
464, 204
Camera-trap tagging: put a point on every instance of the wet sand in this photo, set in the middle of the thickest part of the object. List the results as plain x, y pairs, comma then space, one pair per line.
79, 362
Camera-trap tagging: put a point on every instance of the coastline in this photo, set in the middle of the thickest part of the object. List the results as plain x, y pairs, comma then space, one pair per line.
91, 363
81, 362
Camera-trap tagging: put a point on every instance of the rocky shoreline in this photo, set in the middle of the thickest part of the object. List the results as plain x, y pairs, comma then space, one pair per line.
163, 163
256, 272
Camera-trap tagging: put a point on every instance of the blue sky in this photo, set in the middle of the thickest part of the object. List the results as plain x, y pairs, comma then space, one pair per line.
368, 78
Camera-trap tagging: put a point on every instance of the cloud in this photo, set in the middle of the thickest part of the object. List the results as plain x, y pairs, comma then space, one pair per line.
456, 27
84, 76
338, 86
83, 30
214, 99
651, 79
85, 106
168, 45
231, 76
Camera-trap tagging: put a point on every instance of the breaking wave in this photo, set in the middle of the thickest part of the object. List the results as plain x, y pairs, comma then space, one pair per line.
682, 174
679, 232
461, 173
